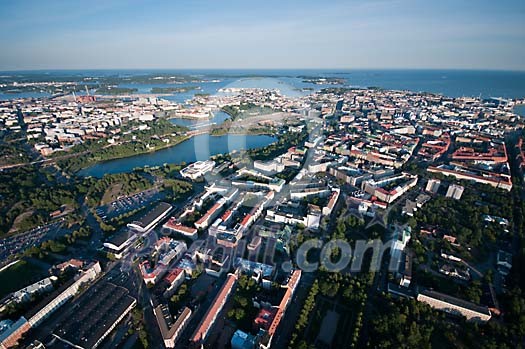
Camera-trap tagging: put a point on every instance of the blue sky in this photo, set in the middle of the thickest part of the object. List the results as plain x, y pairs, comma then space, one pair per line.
185, 34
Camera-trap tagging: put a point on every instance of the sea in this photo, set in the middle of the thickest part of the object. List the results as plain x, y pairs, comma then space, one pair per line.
452, 83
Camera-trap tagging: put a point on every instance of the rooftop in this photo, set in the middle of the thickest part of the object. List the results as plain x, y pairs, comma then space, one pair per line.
152, 215
456, 301
91, 316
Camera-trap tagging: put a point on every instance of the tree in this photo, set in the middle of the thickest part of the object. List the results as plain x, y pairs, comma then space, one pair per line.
239, 314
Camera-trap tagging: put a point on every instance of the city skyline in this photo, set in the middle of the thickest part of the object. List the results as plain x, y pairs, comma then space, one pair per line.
400, 34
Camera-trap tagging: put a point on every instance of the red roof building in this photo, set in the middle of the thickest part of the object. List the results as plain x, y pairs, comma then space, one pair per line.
202, 332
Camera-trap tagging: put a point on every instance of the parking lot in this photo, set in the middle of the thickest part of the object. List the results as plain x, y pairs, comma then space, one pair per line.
127, 204
34, 237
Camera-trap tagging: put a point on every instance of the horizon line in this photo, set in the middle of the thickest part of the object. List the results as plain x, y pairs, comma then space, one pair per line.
271, 69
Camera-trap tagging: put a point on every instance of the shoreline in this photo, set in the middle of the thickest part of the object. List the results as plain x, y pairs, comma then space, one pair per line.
188, 137
519, 109
185, 138
188, 118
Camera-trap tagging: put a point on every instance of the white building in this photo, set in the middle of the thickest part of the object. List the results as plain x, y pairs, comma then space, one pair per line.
433, 185
151, 219
269, 166
119, 243
86, 276
25, 293
197, 169
455, 191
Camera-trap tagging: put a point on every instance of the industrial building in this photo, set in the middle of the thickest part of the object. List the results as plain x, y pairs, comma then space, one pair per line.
151, 219
92, 317
12, 332
57, 299
119, 243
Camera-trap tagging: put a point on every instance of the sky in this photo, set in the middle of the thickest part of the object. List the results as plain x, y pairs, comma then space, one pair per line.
269, 34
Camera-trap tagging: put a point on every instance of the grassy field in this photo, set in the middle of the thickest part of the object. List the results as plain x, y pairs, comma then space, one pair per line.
18, 276
112, 193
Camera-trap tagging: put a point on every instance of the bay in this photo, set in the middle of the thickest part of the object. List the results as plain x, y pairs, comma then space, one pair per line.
200, 147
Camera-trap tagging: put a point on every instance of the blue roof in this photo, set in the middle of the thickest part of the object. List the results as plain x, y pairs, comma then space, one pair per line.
246, 265
242, 340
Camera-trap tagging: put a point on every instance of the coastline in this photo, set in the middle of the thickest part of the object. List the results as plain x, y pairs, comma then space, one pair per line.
519, 109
